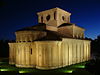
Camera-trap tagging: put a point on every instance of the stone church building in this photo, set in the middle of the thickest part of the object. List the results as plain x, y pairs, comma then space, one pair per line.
53, 43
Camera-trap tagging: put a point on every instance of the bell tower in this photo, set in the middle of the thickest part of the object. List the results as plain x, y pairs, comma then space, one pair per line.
54, 17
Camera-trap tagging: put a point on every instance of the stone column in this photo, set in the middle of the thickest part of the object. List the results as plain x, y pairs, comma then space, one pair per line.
39, 18
70, 53
78, 52
22, 55
60, 55
89, 50
50, 56
74, 52
82, 52
27, 55
85, 52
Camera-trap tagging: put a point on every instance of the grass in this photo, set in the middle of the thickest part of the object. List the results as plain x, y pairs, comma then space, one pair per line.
77, 69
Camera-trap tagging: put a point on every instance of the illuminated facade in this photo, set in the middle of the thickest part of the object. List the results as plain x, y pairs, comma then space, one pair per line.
53, 43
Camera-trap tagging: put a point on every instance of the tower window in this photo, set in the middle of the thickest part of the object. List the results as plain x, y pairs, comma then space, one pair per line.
48, 17
31, 51
41, 19
55, 15
63, 17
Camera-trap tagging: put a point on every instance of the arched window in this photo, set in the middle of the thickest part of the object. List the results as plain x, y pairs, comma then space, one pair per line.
63, 18
48, 17
31, 50
55, 15
41, 19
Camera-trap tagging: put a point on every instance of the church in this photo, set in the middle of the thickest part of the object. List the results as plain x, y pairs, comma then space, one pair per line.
53, 43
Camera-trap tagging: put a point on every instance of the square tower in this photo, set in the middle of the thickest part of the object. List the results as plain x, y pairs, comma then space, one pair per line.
54, 17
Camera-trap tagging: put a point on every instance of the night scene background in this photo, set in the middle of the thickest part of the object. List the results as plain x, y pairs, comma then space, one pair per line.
17, 14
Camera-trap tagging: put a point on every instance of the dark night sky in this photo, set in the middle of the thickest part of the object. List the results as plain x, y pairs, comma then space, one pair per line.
16, 14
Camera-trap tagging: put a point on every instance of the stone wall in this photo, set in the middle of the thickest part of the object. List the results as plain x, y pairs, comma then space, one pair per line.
71, 31
49, 54
12, 53
78, 32
75, 51
56, 17
66, 31
29, 36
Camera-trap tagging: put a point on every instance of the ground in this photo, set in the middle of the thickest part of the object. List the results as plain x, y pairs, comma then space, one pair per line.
77, 69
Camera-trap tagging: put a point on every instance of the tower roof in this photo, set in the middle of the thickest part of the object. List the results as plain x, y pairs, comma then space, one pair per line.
57, 9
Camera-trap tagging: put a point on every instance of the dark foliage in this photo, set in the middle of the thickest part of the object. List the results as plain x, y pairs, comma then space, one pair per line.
96, 45
4, 48
93, 66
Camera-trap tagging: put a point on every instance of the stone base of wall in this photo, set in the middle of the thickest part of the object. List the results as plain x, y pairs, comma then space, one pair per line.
25, 66
47, 68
